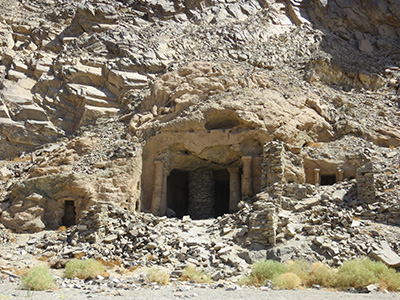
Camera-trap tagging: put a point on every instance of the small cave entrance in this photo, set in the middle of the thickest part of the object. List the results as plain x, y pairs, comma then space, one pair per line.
69, 217
202, 193
328, 179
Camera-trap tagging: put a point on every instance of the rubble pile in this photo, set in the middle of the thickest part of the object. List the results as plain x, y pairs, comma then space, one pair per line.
141, 239
6, 236
328, 230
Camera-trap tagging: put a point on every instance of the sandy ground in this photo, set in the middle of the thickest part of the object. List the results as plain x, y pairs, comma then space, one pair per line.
12, 291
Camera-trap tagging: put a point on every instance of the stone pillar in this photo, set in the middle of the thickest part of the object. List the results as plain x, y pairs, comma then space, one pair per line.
247, 184
273, 164
201, 194
316, 176
234, 189
163, 205
339, 175
157, 205
366, 184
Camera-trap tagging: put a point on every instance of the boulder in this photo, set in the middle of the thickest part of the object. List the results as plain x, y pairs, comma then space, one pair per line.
5, 173
386, 255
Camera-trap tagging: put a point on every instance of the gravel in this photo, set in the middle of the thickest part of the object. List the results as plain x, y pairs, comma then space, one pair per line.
12, 291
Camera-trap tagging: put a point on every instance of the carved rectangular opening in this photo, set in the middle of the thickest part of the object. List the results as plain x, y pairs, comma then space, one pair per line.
221, 188
177, 193
69, 217
202, 193
328, 179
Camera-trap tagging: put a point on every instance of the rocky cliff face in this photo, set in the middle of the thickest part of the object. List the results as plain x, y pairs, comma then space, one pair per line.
93, 93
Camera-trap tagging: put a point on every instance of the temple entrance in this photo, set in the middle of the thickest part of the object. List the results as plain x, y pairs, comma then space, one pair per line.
202, 193
328, 179
69, 217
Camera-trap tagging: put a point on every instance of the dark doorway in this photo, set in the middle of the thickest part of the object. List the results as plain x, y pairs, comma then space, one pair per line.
178, 192
221, 178
328, 179
69, 217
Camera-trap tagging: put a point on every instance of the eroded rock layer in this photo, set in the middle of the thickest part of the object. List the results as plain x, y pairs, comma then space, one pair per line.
189, 107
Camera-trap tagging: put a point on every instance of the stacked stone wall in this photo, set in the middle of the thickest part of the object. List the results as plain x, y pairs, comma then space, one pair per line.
272, 165
366, 184
262, 223
201, 194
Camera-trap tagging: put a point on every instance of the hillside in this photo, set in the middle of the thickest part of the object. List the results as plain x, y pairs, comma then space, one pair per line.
260, 128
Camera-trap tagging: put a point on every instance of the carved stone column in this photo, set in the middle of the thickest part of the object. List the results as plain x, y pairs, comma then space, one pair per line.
163, 205
234, 189
256, 174
157, 205
316, 176
247, 183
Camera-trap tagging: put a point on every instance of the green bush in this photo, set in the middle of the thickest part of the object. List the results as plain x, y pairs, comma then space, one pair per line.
356, 273
287, 281
83, 268
266, 270
194, 274
38, 278
158, 275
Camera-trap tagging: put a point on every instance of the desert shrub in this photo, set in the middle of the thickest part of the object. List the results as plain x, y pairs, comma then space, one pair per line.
194, 274
320, 274
389, 279
376, 267
245, 280
355, 273
83, 268
287, 281
38, 278
299, 267
158, 275
266, 270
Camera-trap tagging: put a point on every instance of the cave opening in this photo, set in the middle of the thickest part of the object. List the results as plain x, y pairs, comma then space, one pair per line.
201, 194
328, 179
69, 217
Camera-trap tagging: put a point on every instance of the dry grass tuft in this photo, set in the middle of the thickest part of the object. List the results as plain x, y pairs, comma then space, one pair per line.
299, 267
320, 274
39, 278
191, 273
287, 281
83, 268
158, 275
266, 270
